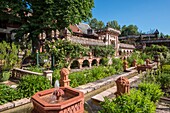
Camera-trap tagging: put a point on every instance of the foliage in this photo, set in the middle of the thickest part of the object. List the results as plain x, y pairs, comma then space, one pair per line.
152, 90
104, 61
56, 75
136, 102
8, 53
38, 16
86, 76
4, 76
43, 58
8, 94
117, 64
35, 69
95, 24
156, 50
166, 69
129, 30
163, 79
30, 84
114, 24
63, 49
164, 59
102, 51
138, 57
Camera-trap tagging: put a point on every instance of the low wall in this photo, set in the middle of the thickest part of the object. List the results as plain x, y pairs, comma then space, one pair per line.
18, 73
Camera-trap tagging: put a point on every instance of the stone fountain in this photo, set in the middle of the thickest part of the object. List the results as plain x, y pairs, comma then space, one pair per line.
59, 99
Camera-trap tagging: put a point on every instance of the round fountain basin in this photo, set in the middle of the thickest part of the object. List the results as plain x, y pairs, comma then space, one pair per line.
72, 101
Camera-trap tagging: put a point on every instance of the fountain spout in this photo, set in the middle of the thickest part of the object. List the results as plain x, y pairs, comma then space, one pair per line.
58, 93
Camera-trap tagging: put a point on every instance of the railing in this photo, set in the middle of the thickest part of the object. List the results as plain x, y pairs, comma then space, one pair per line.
18, 73
86, 41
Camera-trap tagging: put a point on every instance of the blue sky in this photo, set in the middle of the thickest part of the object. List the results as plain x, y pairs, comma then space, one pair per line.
146, 14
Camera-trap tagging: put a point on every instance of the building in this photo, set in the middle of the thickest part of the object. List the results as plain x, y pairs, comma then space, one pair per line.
145, 40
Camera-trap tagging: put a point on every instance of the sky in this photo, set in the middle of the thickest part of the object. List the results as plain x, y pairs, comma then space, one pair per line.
146, 14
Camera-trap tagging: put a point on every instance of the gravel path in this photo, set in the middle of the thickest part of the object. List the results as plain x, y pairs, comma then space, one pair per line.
163, 108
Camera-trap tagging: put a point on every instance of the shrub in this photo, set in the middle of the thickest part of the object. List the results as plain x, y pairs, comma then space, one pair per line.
8, 94
136, 102
56, 75
35, 69
152, 90
164, 80
5, 75
8, 53
117, 64
86, 76
30, 84
166, 68
104, 61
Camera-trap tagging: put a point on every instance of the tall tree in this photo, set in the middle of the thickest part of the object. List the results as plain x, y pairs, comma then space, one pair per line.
100, 25
95, 24
44, 15
114, 24
129, 30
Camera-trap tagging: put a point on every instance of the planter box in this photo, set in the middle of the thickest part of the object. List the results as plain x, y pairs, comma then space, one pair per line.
144, 67
74, 104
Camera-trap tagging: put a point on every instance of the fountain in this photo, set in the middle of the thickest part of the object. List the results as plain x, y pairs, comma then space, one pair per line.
59, 99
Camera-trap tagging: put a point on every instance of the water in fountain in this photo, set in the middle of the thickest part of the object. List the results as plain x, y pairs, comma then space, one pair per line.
58, 95
53, 96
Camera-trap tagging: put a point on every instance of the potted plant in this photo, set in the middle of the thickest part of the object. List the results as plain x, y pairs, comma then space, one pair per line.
9, 56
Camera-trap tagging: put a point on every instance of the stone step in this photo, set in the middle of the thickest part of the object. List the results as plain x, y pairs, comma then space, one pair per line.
107, 93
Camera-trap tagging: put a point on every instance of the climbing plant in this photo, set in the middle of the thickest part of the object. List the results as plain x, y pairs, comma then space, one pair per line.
65, 51
102, 51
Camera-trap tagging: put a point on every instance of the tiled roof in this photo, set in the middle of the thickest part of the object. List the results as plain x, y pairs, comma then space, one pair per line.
75, 29
123, 45
83, 27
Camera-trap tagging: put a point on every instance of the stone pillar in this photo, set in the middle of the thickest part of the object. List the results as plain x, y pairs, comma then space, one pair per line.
90, 55
98, 61
147, 62
80, 63
64, 81
134, 64
125, 65
123, 86
48, 75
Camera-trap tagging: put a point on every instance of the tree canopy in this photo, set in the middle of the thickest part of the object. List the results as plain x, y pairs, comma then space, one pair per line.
95, 24
37, 16
129, 30
114, 24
